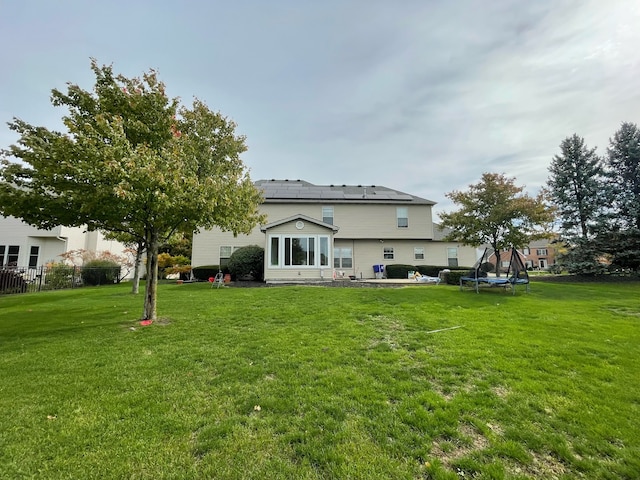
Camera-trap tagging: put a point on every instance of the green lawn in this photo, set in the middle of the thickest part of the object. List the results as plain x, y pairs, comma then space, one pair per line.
319, 383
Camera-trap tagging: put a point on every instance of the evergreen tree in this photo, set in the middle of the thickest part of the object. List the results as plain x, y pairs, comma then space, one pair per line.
623, 177
621, 238
574, 187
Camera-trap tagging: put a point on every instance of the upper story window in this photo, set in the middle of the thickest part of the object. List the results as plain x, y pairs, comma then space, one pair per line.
327, 215
402, 214
526, 251
541, 251
418, 253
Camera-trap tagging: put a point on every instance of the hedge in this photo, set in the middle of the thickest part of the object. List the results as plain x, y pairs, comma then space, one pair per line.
203, 273
400, 270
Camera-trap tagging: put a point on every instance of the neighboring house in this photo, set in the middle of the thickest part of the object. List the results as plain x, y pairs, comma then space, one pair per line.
25, 246
538, 255
316, 232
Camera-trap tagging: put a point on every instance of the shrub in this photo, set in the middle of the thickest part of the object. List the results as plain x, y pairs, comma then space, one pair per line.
453, 277
398, 270
168, 264
487, 267
247, 261
555, 269
59, 275
101, 272
204, 272
402, 271
11, 281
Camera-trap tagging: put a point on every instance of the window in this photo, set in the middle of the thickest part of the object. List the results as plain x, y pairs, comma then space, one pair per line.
402, 214
541, 251
12, 255
225, 254
298, 250
33, 256
526, 251
327, 215
274, 251
452, 257
324, 251
418, 253
2, 251
387, 253
342, 257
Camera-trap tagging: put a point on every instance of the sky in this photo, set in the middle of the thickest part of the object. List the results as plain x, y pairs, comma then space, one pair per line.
422, 96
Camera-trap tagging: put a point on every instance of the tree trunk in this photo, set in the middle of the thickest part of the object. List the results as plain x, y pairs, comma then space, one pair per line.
498, 261
151, 285
135, 288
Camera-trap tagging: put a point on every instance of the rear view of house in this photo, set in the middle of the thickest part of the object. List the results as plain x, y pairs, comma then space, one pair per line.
316, 232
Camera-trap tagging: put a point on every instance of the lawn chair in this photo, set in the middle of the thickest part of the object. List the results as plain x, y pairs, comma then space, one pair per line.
217, 280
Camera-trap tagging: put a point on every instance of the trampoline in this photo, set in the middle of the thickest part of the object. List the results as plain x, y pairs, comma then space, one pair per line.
516, 274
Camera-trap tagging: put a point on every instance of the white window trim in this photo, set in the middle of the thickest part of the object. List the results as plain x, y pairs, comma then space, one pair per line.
281, 251
332, 214
405, 211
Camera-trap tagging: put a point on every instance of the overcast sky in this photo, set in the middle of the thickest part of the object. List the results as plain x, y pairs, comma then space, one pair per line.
422, 96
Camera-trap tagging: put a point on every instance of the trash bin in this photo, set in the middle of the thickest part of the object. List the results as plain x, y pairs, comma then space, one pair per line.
378, 270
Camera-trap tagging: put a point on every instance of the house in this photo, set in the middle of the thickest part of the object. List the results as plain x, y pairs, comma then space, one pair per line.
538, 255
22, 245
316, 232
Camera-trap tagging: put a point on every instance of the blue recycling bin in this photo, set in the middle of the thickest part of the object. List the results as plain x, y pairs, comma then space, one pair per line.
378, 270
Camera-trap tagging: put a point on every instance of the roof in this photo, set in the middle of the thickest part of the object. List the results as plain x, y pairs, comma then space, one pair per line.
298, 216
440, 233
285, 191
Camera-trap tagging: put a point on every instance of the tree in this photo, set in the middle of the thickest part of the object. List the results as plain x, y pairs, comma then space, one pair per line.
575, 185
496, 212
623, 177
621, 237
132, 161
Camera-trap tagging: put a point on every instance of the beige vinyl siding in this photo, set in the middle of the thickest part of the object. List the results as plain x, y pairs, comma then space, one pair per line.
361, 228
207, 243
375, 221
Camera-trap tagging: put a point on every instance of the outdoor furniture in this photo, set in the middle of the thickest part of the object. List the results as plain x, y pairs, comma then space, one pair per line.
217, 280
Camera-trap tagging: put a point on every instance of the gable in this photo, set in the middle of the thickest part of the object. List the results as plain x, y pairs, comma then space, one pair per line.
298, 221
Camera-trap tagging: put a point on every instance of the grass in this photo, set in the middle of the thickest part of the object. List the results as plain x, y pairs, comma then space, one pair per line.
322, 383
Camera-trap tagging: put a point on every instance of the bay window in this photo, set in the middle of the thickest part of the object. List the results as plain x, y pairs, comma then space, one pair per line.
298, 251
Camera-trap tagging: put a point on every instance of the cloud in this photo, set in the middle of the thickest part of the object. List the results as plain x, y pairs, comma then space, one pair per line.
419, 96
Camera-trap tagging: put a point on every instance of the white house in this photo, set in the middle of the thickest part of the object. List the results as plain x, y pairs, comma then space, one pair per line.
26, 246
318, 232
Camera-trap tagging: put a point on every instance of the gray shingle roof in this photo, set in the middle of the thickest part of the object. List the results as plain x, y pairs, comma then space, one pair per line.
302, 191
